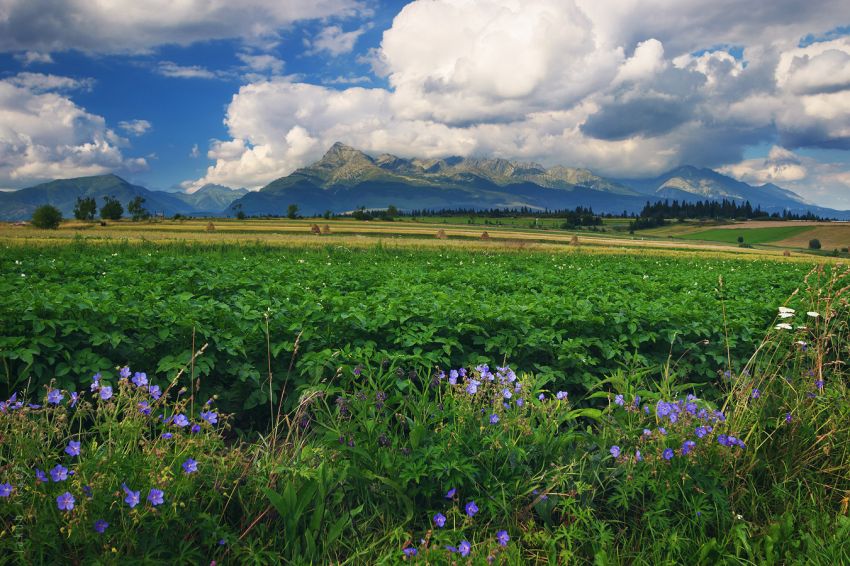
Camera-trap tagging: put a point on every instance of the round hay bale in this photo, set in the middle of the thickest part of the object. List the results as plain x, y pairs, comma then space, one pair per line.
314, 229
786, 253
326, 229
485, 236
210, 227
441, 234
574, 241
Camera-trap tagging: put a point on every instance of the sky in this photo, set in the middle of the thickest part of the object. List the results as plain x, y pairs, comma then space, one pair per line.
175, 94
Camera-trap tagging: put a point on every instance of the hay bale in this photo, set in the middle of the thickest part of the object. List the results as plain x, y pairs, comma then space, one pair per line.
210, 227
314, 229
326, 229
485, 236
441, 234
574, 241
786, 253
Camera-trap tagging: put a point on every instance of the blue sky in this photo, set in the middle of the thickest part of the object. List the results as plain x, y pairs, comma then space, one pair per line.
173, 97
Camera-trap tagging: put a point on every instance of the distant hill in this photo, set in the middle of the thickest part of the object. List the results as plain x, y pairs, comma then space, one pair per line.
63, 193
210, 198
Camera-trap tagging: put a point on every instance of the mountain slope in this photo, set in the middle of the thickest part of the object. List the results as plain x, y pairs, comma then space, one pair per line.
346, 178
211, 198
63, 193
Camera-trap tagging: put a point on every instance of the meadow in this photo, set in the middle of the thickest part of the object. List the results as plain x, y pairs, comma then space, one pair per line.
314, 400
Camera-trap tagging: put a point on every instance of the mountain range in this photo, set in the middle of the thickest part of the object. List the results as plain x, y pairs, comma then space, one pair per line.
345, 179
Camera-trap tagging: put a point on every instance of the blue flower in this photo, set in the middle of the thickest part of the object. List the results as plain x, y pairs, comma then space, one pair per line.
647, 432
723, 439
662, 430
190, 466
106, 392
494, 418
451, 493
638, 457
100, 526
471, 508
95, 382
668, 454
87, 491
520, 402
688, 446
464, 547
5, 489
503, 538
73, 448
167, 435
140, 379
507, 393
155, 391
561, 395
210, 416
472, 386
700, 431
133, 497
144, 408
59, 473
453, 377
541, 397
74, 398
756, 394
65, 502
615, 451
196, 428
181, 420
619, 400
125, 372
40, 476
155, 496
440, 520
54, 396
410, 551
787, 417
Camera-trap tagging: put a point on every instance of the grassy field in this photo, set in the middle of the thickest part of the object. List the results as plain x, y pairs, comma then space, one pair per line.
284, 232
257, 394
730, 235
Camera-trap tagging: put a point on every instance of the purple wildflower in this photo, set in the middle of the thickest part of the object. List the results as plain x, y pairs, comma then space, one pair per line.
133, 497
167, 435
541, 397
440, 520
124, 372
756, 394
723, 440
140, 379
787, 417
688, 446
100, 526
619, 400
106, 392
59, 473
74, 398
507, 393
472, 386
40, 476
181, 421
451, 493
210, 416
5, 489
464, 548
65, 502
155, 391
73, 448
453, 377
503, 537
520, 402
196, 428
410, 551
638, 457
494, 419
668, 454
471, 508
615, 451
54, 396
190, 466
561, 395
155, 496
95, 382
700, 431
